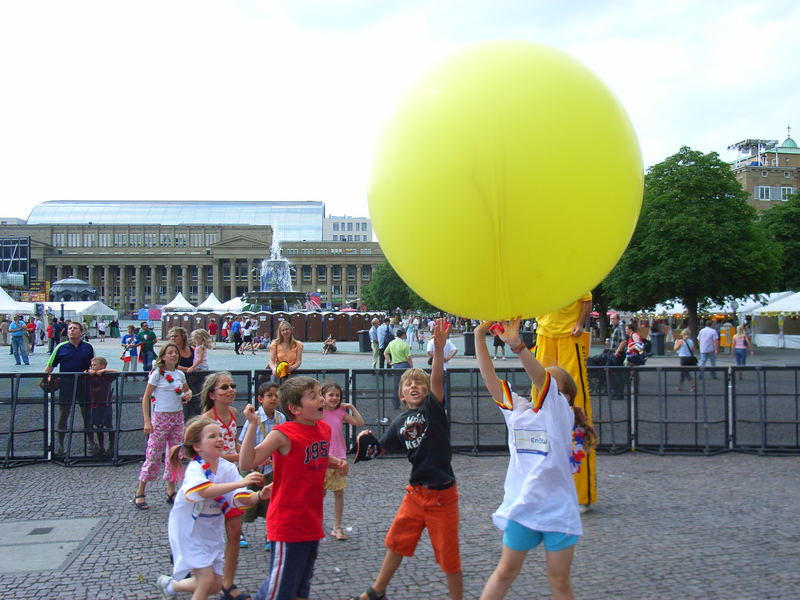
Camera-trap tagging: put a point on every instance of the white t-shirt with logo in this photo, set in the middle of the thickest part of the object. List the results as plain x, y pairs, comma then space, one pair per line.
539, 489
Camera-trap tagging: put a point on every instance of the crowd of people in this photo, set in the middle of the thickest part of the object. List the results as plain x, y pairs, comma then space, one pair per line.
290, 451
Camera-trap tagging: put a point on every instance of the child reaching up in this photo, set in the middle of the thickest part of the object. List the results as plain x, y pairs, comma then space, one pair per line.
216, 397
431, 499
337, 412
547, 438
212, 486
300, 458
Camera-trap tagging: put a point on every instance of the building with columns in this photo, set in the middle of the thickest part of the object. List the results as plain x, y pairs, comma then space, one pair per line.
137, 265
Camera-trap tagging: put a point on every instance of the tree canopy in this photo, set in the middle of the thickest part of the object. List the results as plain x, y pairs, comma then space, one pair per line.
782, 224
387, 290
697, 239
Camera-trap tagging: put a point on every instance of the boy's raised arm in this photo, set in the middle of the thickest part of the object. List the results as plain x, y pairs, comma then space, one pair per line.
485, 364
249, 455
532, 367
440, 331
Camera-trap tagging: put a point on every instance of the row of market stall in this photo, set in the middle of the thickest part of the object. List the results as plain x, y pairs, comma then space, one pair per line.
774, 319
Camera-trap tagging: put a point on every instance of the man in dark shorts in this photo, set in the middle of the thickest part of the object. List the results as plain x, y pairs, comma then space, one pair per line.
72, 357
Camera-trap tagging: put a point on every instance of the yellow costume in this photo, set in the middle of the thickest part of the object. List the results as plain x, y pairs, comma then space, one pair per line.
555, 346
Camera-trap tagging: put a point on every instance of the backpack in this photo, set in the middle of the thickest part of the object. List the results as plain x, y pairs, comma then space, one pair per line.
388, 337
647, 347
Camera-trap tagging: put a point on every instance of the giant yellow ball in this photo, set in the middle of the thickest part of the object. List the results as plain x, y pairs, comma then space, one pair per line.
509, 182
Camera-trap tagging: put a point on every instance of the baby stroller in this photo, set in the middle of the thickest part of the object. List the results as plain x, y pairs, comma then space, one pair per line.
597, 375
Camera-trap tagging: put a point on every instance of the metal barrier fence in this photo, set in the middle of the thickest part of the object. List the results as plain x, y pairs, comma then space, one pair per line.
749, 409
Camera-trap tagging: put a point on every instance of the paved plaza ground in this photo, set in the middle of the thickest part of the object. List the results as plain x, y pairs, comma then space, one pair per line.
667, 527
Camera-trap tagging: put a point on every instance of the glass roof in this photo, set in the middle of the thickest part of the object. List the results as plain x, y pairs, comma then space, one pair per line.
296, 221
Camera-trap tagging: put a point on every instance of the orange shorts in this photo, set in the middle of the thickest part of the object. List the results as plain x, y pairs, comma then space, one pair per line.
233, 513
438, 511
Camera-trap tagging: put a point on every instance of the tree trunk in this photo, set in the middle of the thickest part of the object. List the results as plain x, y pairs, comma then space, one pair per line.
690, 302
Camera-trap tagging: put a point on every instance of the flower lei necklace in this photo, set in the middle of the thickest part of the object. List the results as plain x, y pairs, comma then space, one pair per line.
223, 504
170, 379
578, 453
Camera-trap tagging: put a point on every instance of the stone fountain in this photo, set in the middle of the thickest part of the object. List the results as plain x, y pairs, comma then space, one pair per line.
276, 292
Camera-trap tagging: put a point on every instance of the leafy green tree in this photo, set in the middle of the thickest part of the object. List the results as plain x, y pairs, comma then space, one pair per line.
697, 239
387, 290
782, 224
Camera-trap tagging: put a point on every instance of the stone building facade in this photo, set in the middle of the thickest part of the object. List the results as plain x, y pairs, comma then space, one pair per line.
770, 173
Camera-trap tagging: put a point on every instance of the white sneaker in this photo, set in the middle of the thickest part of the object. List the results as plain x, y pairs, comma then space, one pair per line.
584, 508
162, 582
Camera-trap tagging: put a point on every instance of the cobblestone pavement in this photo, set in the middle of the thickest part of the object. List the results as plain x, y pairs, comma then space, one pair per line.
665, 527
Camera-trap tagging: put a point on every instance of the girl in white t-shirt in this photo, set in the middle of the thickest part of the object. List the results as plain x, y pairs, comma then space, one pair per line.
547, 438
162, 408
212, 487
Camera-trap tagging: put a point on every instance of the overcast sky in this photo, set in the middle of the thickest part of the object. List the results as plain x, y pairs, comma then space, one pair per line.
285, 100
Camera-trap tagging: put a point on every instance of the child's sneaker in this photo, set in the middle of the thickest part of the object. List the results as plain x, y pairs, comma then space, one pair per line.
162, 582
243, 543
267, 546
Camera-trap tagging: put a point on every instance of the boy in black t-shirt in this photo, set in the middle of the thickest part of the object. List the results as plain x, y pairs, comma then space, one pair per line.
431, 498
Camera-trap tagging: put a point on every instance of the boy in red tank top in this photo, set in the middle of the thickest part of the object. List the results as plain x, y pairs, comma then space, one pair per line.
299, 451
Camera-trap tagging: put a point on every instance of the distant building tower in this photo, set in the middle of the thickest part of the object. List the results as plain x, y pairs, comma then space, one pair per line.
768, 172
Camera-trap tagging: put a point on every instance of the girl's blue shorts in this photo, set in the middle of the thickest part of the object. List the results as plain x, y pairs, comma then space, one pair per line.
520, 538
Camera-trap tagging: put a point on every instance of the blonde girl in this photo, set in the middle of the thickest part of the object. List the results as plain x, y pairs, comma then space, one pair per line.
212, 487
336, 413
216, 399
285, 349
202, 343
162, 405
684, 346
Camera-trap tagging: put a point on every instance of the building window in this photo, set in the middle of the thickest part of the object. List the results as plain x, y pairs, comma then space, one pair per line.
74, 240
104, 240
336, 290
162, 290
196, 240
194, 272
135, 240
193, 292
293, 274
291, 251
307, 251
322, 273
321, 251
351, 272
762, 192
366, 272
150, 240
226, 270
349, 227
365, 251
90, 240
351, 290
786, 174
786, 192
306, 273
336, 250
58, 239
166, 240
336, 226
349, 238
211, 238
764, 173
181, 240
120, 240
336, 273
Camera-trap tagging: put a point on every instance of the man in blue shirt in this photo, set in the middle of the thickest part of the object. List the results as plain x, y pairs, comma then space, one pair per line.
236, 330
72, 356
373, 338
385, 336
17, 331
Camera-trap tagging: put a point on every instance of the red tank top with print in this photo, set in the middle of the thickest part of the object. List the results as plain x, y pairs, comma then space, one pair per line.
295, 508
228, 432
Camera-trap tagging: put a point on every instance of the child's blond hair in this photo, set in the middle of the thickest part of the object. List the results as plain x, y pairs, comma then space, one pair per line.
102, 361
200, 337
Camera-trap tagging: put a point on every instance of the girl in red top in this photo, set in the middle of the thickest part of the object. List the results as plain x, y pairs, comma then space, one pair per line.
216, 398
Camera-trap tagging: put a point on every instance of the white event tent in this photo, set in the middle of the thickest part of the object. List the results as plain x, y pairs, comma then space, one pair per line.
179, 304
210, 304
80, 309
233, 305
9, 306
777, 324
